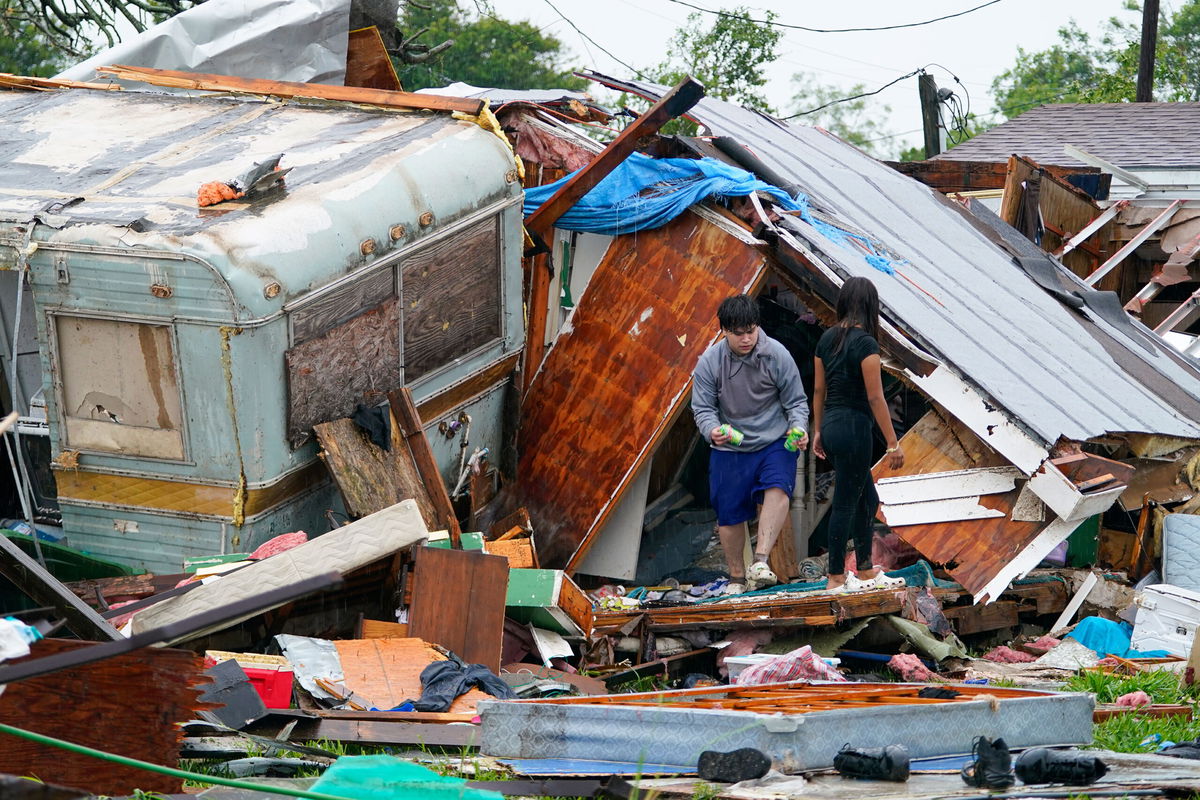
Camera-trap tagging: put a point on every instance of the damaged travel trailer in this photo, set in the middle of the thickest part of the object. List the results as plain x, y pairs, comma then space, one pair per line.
172, 360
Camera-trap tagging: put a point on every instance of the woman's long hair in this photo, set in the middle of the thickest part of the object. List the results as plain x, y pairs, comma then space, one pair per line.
857, 306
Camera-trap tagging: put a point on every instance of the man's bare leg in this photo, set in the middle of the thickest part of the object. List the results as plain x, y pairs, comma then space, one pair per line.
770, 521
733, 540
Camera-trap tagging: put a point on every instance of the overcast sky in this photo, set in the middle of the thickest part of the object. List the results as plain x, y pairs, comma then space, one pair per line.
976, 46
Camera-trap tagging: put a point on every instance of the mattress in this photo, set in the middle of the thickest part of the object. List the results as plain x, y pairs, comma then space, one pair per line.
343, 550
1181, 551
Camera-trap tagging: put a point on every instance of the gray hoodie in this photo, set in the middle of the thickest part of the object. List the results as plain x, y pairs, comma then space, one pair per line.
760, 393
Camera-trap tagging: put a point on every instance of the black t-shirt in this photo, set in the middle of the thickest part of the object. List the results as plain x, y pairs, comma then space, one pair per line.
844, 387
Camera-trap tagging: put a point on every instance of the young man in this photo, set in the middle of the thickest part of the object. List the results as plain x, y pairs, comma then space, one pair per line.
749, 383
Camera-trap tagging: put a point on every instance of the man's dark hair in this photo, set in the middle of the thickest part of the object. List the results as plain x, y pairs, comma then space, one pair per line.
738, 313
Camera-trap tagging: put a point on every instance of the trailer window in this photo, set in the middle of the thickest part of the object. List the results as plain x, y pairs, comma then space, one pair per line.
119, 389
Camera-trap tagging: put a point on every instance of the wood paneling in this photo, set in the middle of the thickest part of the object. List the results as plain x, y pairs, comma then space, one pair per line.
388, 671
368, 64
619, 372
452, 301
947, 175
331, 374
973, 551
458, 602
369, 477
128, 705
314, 318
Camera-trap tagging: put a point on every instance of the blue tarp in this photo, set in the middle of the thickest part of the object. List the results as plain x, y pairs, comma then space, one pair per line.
1107, 637
643, 193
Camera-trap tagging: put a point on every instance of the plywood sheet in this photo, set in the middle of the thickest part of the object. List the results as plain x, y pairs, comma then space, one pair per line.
128, 705
619, 373
973, 550
388, 671
367, 62
369, 477
458, 602
331, 374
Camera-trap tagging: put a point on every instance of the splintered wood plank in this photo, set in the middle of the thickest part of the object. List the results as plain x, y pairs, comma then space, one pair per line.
620, 372
408, 422
128, 705
369, 477
368, 64
388, 671
972, 550
458, 602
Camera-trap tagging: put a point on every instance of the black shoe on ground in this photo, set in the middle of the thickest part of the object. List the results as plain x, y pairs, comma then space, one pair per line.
1042, 765
873, 763
992, 767
734, 766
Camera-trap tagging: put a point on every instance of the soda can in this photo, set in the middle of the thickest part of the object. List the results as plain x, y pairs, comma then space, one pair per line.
792, 443
735, 436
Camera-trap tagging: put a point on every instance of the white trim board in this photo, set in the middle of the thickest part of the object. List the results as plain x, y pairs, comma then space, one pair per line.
958, 508
948, 485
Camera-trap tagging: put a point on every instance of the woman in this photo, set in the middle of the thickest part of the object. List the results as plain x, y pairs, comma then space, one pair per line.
847, 395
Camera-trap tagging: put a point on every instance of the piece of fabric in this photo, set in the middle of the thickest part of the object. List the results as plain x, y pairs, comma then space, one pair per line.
846, 436
1135, 699
278, 544
643, 193
391, 778
844, 385
376, 422
801, 664
738, 481
443, 681
1107, 637
759, 394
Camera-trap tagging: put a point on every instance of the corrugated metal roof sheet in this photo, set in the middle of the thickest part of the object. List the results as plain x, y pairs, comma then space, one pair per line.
961, 296
1126, 134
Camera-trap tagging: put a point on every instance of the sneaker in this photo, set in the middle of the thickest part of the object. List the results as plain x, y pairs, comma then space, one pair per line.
873, 763
1042, 765
733, 587
759, 575
992, 767
733, 767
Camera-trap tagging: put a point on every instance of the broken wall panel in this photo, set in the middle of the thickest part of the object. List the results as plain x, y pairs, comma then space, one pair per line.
332, 373
1063, 211
128, 705
973, 550
458, 603
620, 371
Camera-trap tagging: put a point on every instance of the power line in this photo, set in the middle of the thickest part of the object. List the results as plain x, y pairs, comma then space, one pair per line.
600, 47
853, 97
831, 30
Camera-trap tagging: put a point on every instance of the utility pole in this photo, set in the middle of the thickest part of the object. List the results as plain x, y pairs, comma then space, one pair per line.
1145, 80
927, 88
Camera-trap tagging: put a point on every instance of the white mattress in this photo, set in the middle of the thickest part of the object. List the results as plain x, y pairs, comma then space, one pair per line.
346, 549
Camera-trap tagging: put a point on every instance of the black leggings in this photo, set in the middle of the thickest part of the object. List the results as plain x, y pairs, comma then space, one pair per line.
846, 435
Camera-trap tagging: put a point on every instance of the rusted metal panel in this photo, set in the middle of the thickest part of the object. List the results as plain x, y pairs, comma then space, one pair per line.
619, 373
329, 375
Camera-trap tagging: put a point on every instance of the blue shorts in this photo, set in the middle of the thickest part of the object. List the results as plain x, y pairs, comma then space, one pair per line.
737, 481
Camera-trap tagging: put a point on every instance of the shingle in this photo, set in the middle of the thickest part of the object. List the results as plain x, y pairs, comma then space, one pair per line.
1126, 134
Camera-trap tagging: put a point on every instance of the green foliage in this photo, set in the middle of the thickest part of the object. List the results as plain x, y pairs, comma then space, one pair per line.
728, 57
1161, 685
856, 121
1124, 733
24, 51
488, 51
1080, 68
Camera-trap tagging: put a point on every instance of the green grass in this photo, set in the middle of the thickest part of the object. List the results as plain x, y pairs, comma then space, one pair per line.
1124, 733
1162, 686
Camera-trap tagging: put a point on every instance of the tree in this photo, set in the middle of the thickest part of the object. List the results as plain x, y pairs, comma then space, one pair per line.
728, 57
69, 26
856, 120
24, 51
1080, 68
486, 51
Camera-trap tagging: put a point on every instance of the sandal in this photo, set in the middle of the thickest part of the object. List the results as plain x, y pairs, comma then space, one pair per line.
882, 581
857, 584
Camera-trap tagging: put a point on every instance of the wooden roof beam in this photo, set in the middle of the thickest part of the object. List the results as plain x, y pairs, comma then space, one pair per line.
347, 94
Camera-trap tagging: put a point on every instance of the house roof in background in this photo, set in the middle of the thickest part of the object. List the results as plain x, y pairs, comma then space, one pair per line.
1126, 134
